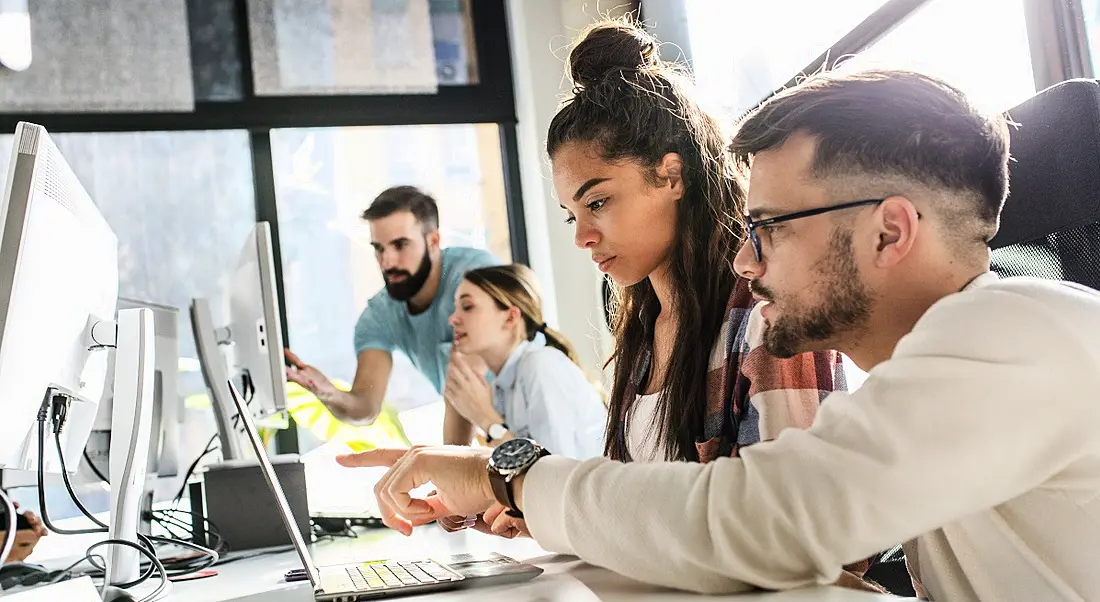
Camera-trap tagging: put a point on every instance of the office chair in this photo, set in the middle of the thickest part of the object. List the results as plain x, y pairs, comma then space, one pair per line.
1050, 226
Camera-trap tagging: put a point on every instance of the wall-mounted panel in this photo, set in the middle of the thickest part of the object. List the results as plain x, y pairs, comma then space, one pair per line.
106, 55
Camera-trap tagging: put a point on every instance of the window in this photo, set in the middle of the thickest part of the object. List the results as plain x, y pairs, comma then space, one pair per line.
1091, 10
980, 46
215, 31
181, 205
326, 177
353, 47
742, 51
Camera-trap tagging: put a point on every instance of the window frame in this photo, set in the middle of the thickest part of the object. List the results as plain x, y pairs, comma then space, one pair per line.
1056, 36
490, 100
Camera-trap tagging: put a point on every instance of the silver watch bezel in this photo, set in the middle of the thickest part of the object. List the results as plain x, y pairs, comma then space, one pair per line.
509, 473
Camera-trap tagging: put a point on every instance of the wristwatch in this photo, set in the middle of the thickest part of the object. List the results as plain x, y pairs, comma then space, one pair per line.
509, 460
495, 431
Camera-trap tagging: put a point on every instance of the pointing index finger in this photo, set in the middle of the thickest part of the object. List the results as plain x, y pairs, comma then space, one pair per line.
374, 457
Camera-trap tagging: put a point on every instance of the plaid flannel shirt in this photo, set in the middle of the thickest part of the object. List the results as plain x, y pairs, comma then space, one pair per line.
751, 394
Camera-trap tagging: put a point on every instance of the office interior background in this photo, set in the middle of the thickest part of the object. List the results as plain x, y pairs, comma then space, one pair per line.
188, 121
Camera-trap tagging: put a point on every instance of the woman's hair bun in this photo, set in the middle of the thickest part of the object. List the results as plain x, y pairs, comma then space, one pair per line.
612, 46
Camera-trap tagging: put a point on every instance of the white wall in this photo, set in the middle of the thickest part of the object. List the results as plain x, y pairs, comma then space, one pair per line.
541, 32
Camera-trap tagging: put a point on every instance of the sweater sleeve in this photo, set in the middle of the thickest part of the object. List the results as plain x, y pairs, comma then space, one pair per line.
932, 435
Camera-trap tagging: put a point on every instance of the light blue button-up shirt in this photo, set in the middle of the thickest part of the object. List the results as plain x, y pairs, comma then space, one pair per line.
543, 395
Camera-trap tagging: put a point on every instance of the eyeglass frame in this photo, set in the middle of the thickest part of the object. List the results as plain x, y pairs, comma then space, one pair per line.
751, 225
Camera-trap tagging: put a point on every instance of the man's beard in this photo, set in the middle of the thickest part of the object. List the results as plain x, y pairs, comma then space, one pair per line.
406, 289
845, 305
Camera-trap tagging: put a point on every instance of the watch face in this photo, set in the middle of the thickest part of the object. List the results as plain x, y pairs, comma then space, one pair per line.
497, 431
514, 454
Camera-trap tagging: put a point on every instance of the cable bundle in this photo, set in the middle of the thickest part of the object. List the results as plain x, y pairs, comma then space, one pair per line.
53, 410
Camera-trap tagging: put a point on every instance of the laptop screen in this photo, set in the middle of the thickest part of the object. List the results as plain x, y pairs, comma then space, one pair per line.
273, 483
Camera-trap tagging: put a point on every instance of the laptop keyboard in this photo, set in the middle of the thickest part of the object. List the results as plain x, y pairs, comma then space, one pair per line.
392, 575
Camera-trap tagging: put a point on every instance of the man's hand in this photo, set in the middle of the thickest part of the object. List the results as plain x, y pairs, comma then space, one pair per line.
25, 539
497, 522
313, 380
467, 391
459, 474
310, 378
493, 521
36, 524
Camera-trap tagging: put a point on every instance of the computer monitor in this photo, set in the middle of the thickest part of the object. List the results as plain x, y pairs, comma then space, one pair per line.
255, 325
250, 348
58, 291
58, 275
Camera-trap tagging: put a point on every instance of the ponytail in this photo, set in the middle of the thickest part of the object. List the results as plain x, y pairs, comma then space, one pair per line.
558, 341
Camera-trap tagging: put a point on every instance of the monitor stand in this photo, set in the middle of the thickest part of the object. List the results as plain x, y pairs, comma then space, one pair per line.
132, 422
216, 376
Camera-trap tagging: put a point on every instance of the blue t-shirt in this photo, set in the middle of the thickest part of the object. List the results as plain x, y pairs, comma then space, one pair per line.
426, 338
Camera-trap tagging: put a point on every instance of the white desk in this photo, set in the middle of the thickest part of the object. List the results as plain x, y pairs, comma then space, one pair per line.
565, 580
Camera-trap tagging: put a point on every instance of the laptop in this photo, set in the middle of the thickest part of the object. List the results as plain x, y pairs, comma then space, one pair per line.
374, 579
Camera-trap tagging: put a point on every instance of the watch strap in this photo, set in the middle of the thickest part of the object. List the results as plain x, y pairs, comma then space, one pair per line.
500, 488
512, 507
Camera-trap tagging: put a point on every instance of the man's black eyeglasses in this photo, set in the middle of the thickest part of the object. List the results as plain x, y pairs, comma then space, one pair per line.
752, 224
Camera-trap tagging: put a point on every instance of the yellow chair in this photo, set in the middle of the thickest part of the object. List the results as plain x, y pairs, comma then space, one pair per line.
309, 413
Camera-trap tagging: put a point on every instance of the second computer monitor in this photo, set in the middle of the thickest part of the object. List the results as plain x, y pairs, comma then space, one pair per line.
168, 411
256, 326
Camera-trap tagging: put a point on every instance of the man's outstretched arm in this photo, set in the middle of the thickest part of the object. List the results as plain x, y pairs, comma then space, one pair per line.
363, 403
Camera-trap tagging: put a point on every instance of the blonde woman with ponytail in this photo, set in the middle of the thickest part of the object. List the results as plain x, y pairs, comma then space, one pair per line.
539, 391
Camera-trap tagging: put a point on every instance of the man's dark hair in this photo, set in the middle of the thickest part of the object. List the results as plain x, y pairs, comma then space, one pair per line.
405, 198
891, 125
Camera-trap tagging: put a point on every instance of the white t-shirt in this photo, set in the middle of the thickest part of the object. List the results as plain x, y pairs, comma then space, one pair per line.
644, 437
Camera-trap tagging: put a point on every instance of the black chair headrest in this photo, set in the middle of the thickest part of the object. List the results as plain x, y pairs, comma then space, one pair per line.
1054, 177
